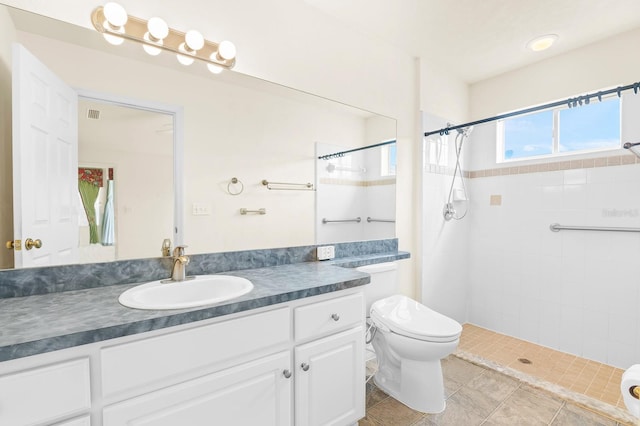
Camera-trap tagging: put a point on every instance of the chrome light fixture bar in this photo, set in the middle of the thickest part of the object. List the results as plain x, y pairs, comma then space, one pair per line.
155, 36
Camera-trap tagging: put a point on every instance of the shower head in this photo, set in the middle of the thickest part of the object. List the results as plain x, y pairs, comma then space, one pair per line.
465, 131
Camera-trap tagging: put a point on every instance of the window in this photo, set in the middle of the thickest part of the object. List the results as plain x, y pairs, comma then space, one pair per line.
585, 128
388, 160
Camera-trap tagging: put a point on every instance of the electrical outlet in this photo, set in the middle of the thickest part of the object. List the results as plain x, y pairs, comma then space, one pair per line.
201, 209
326, 252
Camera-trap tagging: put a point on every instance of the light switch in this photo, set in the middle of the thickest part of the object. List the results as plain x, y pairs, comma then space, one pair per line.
201, 209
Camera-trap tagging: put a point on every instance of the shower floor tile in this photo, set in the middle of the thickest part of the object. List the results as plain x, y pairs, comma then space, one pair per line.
586, 382
479, 395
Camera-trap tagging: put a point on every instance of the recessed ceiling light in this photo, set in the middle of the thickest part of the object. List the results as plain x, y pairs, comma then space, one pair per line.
542, 43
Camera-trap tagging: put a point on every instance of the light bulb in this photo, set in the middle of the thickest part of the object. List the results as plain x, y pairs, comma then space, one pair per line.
158, 29
115, 14
214, 68
153, 51
542, 43
185, 59
113, 39
226, 50
194, 40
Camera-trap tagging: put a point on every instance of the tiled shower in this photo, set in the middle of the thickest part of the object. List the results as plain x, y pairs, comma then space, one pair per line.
503, 269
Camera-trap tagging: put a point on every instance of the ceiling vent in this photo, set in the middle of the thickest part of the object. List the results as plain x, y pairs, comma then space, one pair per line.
94, 114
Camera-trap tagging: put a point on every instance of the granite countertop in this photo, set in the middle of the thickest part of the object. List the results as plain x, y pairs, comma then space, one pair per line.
42, 323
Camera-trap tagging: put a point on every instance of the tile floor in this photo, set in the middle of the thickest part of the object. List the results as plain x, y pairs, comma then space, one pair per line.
583, 376
477, 395
487, 383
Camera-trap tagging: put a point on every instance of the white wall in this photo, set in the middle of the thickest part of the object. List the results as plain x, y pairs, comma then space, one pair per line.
445, 245
7, 32
608, 63
443, 249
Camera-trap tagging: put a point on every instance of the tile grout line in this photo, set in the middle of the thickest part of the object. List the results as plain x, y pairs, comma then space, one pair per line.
501, 402
564, 404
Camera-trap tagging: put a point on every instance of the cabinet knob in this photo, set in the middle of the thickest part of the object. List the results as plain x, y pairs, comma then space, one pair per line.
286, 374
335, 317
304, 366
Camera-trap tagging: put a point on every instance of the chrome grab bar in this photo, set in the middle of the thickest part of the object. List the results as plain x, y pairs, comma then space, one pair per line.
282, 186
369, 219
244, 211
357, 219
556, 227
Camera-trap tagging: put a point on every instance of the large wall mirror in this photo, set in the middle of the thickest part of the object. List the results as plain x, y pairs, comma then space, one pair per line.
237, 131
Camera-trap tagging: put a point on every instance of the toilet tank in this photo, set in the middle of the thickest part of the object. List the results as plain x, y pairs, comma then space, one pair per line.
384, 281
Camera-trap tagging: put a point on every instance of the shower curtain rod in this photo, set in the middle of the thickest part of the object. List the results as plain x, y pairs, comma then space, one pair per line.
571, 102
342, 153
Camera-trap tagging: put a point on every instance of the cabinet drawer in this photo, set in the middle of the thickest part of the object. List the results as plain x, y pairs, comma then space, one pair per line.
328, 316
254, 393
45, 394
170, 357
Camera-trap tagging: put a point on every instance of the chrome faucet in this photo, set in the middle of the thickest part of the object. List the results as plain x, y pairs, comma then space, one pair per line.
180, 262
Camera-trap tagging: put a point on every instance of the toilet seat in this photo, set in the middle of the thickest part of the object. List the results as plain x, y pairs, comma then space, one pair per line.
406, 317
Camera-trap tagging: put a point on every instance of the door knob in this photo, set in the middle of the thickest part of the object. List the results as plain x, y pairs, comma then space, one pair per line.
304, 366
335, 317
29, 244
286, 374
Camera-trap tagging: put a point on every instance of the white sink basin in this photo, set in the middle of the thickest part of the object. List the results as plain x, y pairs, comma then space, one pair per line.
202, 290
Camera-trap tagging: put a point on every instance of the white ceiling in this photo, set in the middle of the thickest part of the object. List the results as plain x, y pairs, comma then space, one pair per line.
479, 39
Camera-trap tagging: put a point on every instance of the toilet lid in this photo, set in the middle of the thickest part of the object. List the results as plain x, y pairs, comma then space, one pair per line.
407, 317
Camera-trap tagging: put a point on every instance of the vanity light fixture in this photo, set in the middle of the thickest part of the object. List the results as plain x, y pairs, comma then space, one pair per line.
541, 43
155, 36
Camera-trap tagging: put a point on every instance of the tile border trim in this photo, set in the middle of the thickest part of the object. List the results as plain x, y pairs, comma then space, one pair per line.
587, 163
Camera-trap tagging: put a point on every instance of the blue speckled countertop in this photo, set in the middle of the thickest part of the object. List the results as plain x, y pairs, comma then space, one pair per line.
42, 323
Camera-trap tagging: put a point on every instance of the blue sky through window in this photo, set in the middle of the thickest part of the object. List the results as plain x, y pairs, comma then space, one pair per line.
528, 135
587, 127
592, 126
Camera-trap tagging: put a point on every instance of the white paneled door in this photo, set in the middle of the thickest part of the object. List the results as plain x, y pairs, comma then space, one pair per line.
45, 163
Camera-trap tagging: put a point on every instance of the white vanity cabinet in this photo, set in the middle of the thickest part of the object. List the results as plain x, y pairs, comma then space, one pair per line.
294, 363
330, 370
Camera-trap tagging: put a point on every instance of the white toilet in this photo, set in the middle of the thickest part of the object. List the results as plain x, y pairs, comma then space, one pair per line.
409, 342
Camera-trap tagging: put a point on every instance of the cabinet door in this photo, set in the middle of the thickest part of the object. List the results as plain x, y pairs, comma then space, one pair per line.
45, 394
330, 380
255, 393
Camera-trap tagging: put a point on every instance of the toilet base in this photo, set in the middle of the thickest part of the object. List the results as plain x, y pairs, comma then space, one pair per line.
421, 387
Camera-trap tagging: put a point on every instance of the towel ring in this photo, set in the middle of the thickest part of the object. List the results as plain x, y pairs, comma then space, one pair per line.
235, 181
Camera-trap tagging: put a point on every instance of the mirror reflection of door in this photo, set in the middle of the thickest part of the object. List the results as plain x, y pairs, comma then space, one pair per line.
45, 159
54, 133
